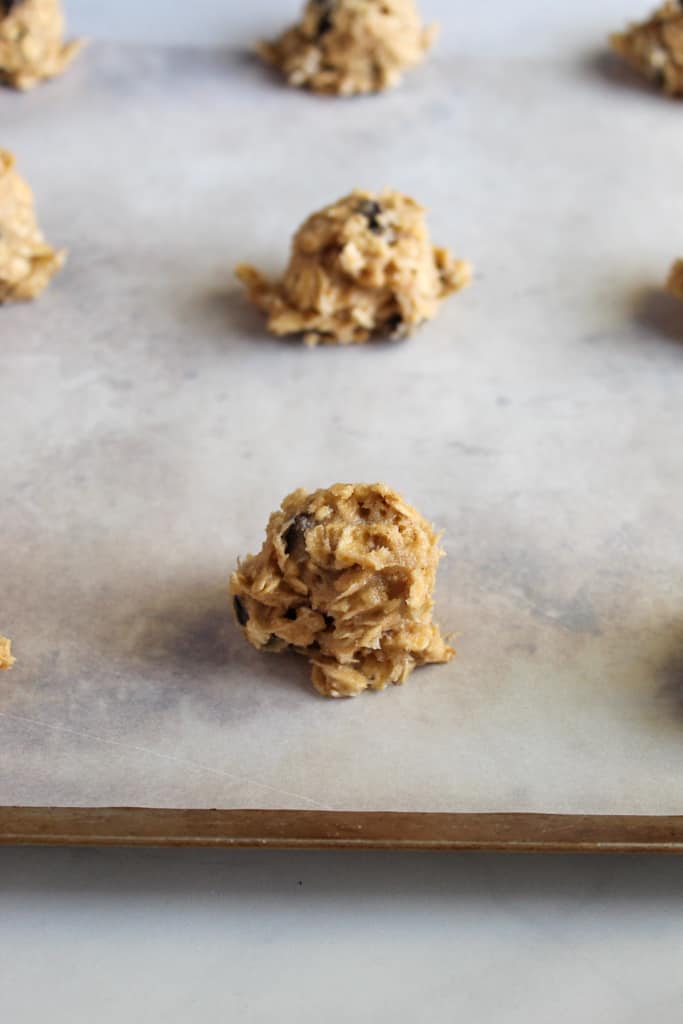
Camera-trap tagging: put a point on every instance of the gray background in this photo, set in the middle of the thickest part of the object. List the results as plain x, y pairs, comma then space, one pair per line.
185, 935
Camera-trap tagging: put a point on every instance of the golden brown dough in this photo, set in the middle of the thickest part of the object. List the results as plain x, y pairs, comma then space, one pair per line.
31, 42
27, 262
351, 46
675, 282
345, 577
6, 659
361, 268
655, 47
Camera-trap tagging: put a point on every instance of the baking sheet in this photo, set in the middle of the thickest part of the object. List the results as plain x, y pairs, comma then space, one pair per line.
148, 426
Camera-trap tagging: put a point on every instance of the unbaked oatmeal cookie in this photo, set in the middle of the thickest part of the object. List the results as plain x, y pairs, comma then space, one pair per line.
361, 268
655, 47
27, 262
351, 46
32, 46
345, 577
675, 282
6, 659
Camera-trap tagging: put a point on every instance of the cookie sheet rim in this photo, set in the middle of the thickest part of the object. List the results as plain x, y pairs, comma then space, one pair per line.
362, 830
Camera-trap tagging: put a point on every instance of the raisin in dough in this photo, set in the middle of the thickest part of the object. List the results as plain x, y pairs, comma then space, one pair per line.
345, 577
351, 46
655, 47
360, 268
32, 46
6, 659
675, 282
26, 261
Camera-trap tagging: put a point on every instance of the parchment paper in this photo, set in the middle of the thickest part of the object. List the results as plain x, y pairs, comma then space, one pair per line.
148, 426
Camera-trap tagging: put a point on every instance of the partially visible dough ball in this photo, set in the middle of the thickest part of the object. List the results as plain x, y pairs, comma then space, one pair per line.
351, 46
361, 268
675, 282
655, 47
6, 659
27, 262
345, 577
32, 45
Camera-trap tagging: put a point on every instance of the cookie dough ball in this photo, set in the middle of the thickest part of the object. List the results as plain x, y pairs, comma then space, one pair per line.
26, 261
361, 268
31, 42
675, 282
655, 47
345, 577
6, 659
351, 46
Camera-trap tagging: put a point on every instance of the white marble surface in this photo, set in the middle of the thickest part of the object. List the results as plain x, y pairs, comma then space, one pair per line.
256, 936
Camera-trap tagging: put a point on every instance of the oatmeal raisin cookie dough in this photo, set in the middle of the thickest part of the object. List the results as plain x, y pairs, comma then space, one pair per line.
361, 268
675, 282
655, 47
345, 577
6, 659
27, 262
351, 46
32, 46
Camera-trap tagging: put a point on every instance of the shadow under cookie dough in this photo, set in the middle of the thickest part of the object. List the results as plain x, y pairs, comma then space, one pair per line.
188, 631
227, 317
660, 312
613, 71
224, 316
670, 678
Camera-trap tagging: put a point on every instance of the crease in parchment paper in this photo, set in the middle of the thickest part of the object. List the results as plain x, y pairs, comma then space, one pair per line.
237, 779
